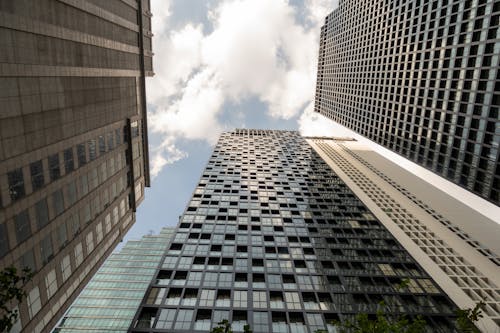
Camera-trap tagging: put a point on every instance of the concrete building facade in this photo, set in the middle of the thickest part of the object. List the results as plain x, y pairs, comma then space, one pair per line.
420, 78
456, 245
73, 141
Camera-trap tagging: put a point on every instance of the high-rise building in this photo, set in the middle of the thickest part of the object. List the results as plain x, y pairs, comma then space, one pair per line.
73, 141
108, 303
456, 245
274, 238
420, 78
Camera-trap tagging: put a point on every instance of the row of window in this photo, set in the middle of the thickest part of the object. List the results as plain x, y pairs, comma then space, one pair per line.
85, 152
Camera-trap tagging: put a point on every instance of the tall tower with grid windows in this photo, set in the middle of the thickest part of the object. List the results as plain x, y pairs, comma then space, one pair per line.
273, 237
73, 141
420, 78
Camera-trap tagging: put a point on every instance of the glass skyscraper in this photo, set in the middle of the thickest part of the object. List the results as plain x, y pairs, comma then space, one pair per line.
110, 300
73, 141
420, 78
274, 238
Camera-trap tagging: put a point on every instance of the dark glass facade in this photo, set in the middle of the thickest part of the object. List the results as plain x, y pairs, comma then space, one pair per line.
73, 141
420, 78
274, 238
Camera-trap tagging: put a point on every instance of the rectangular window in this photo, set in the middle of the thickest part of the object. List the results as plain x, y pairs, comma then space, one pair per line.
42, 213
78, 254
202, 322
65, 268
54, 168
23, 227
51, 283
4, 242
260, 322
99, 234
184, 319
62, 236
102, 144
134, 129
37, 179
46, 251
27, 260
34, 304
16, 184
118, 136
240, 299
111, 141
69, 163
259, 299
92, 150
71, 193
292, 301
90, 242
207, 297
58, 202
81, 154
166, 318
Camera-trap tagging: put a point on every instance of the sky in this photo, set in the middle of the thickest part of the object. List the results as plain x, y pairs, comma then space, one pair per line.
228, 64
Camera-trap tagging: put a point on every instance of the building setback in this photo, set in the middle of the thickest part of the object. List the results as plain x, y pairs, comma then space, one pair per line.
110, 300
274, 238
420, 78
456, 245
73, 141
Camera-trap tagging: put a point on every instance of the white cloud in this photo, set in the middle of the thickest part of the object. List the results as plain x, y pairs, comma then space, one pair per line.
314, 124
257, 49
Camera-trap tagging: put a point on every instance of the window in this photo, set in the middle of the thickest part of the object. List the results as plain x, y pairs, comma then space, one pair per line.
51, 283
58, 202
81, 154
16, 184
223, 298
194, 278
207, 297
28, 260
61, 235
173, 297
315, 321
166, 318
42, 213
92, 150
292, 301
46, 251
155, 296
259, 299
69, 163
71, 191
23, 227
98, 230
202, 321
102, 144
65, 268
111, 142
240, 298
37, 179
220, 315
78, 254
90, 242
184, 318
210, 280
260, 322
34, 304
225, 279
190, 297
4, 242
54, 169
